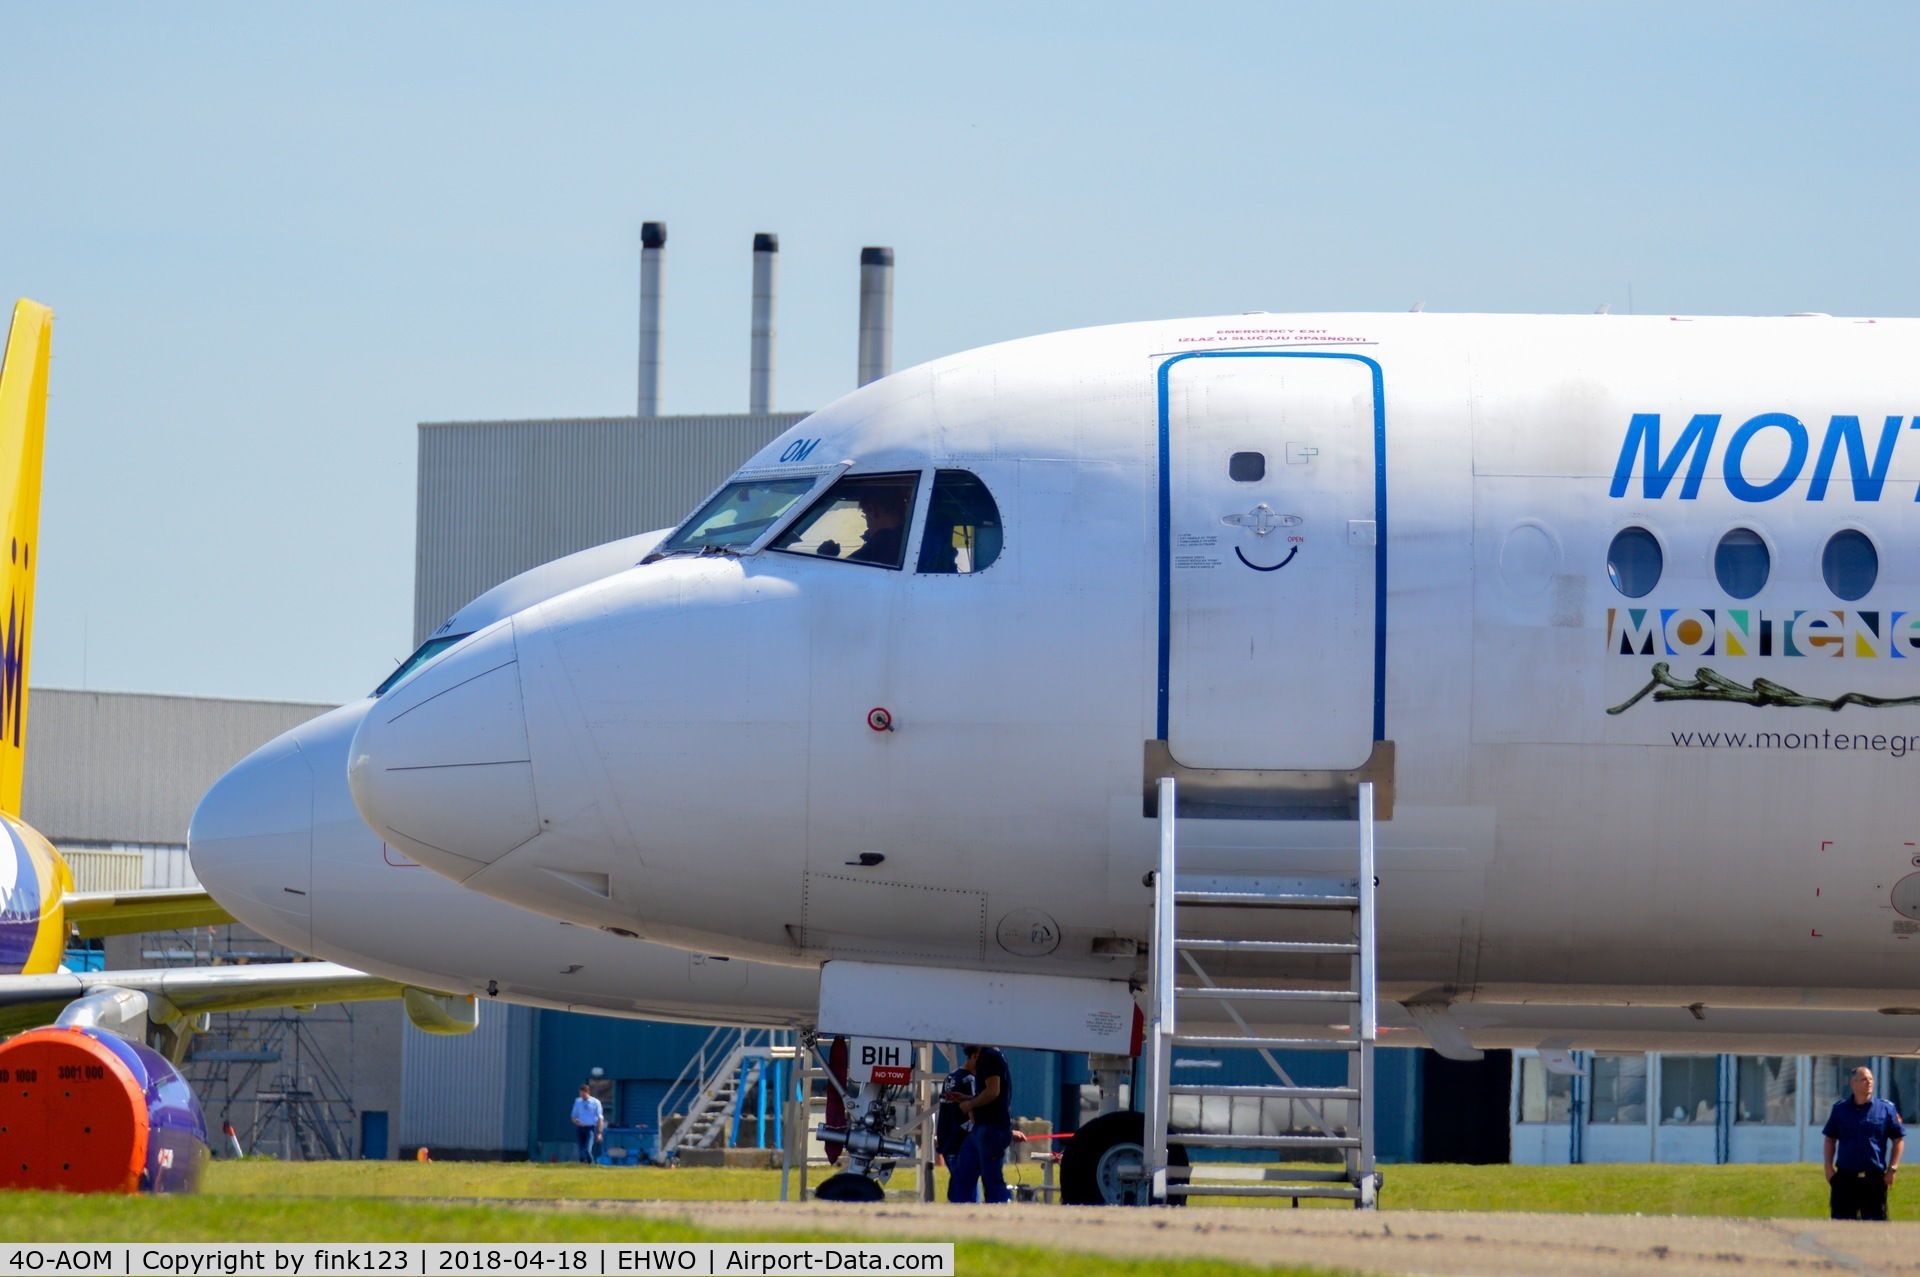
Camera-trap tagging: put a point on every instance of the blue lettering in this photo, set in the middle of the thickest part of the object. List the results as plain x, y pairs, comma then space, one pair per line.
1867, 483
1737, 482
1643, 435
798, 449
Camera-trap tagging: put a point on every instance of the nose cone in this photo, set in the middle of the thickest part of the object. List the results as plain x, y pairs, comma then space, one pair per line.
440, 767
251, 843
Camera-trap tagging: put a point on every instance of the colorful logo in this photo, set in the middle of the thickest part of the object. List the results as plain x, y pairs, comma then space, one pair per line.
1866, 634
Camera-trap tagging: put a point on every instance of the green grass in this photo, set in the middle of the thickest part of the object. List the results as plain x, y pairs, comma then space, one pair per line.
1790, 1191
213, 1216
490, 1179
1783, 1191
409, 1201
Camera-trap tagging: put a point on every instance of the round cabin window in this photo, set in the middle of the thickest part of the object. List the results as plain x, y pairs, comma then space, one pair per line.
1742, 563
1634, 562
1850, 564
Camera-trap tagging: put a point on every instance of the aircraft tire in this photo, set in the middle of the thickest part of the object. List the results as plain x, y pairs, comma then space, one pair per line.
1089, 1169
848, 1187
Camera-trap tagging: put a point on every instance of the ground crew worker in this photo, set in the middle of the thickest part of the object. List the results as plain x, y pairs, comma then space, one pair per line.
981, 1158
587, 1120
1865, 1138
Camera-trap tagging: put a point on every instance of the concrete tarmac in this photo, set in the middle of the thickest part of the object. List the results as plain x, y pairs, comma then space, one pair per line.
1397, 1242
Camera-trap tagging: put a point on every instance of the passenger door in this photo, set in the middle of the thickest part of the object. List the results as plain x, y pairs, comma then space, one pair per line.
1272, 570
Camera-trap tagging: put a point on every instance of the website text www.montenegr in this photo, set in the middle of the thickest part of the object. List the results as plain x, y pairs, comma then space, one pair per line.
1851, 742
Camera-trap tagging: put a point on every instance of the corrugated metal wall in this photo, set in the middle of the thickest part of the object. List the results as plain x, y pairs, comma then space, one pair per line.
469, 1094
497, 498
165, 865
129, 866
114, 767
105, 869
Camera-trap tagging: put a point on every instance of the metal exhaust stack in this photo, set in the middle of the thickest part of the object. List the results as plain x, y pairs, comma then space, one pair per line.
766, 256
653, 252
876, 313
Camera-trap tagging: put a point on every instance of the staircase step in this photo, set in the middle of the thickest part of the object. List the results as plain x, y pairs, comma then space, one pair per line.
1269, 1092
1209, 945
1267, 899
1224, 993
1257, 1174
1202, 1139
1232, 1042
1344, 1191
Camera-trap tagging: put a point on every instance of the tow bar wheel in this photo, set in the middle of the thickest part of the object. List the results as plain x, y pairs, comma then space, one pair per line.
1104, 1163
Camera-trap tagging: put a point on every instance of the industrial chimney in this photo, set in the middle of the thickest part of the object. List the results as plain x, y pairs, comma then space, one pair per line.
766, 256
653, 252
876, 313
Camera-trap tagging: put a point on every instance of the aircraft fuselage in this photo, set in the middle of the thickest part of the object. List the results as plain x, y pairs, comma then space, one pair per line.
1272, 543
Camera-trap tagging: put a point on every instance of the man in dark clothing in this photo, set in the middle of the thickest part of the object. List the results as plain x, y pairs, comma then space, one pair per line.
886, 534
980, 1160
1864, 1141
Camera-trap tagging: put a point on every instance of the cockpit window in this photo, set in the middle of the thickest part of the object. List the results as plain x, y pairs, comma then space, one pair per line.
861, 519
739, 513
963, 525
428, 650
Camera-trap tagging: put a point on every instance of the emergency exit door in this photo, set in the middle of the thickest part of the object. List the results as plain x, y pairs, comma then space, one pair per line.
1273, 561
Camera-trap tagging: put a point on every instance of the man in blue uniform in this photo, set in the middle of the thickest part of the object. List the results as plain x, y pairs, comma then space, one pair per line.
1864, 1142
980, 1159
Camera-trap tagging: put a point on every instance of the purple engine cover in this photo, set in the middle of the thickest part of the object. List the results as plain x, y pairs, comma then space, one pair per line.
176, 1131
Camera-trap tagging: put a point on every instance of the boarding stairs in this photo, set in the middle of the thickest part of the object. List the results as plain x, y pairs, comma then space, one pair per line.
706, 1096
1213, 935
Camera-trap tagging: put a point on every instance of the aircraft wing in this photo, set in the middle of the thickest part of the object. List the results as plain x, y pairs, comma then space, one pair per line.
27, 1001
116, 913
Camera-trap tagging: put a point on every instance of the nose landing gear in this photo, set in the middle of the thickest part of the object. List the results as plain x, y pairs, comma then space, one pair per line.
863, 1120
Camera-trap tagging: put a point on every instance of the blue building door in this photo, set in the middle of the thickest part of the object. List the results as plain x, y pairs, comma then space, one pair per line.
373, 1136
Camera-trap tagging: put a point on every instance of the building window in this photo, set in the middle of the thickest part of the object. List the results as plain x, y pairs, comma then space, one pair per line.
1246, 1115
1544, 1096
1689, 1089
1634, 562
1619, 1090
1763, 1089
1850, 564
1742, 563
1901, 1087
1831, 1081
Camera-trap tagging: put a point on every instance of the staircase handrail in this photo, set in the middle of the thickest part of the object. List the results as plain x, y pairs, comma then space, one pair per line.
692, 1076
693, 1091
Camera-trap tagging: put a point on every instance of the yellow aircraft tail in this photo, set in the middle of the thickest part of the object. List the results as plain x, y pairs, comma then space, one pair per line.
23, 429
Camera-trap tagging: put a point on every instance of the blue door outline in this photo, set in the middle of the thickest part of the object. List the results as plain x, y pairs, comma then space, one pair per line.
1379, 519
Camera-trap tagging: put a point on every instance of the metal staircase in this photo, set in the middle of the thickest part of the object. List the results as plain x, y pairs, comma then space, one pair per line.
1259, 934
705, 1098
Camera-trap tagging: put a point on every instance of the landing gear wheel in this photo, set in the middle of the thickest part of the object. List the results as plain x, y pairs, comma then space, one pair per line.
848, 1187
1102, 1164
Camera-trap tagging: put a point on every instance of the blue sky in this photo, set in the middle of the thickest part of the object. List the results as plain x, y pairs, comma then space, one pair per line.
277, 237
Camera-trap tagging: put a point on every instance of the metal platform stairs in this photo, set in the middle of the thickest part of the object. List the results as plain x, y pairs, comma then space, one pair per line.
703, 1104
1238, 925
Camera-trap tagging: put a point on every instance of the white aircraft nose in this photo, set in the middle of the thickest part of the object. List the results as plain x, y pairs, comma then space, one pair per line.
251, 842
440, 767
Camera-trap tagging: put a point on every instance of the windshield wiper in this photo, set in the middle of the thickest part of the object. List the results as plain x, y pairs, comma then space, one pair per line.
700, 552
